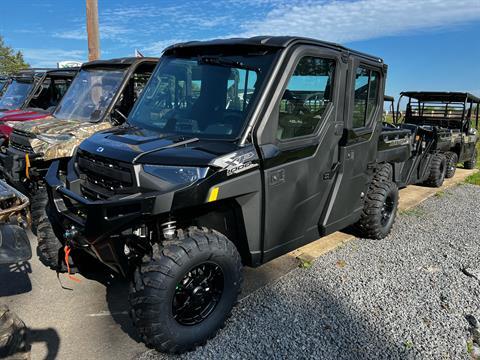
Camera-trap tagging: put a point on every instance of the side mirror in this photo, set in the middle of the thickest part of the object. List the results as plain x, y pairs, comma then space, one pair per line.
14, 244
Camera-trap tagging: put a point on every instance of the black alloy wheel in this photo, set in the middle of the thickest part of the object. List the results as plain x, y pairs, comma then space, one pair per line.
197, 295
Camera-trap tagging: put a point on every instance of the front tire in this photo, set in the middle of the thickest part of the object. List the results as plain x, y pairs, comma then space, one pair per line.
438, 169
181, 295
39, 201
452, 160
48, 246
50, 249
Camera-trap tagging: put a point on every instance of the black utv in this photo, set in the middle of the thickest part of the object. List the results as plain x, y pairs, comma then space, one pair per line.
238, 151
452, 113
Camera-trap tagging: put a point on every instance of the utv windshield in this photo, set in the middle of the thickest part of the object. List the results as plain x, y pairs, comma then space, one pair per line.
16, 93
201, 96
90, 94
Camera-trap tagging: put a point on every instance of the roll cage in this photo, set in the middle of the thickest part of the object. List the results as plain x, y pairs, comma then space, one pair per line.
452, 110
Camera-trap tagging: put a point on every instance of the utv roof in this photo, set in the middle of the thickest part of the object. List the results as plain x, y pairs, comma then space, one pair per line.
441, 96
28, 73
120, 62
388, 98
266, 42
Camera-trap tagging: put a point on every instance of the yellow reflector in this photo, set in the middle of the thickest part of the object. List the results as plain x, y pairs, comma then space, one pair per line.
27, 166
213, 194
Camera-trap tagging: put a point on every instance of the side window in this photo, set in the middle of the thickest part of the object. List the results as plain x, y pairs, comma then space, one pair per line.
306, 97
366, 96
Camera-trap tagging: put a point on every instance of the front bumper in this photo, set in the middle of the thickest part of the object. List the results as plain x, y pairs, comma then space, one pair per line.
98, 225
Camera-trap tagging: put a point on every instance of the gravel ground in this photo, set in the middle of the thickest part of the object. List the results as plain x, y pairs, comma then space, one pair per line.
403, 297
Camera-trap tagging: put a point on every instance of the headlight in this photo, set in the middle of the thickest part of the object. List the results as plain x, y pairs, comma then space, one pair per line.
54, 139
175, 175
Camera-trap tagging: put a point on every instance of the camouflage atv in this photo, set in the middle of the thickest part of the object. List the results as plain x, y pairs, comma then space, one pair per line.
101, 96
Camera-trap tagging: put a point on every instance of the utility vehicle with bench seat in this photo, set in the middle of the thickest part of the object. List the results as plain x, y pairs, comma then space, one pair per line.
454, 115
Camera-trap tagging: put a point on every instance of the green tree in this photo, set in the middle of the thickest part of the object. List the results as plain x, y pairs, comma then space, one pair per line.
10, 60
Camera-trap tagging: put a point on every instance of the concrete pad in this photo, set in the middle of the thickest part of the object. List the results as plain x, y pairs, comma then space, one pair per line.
414, 194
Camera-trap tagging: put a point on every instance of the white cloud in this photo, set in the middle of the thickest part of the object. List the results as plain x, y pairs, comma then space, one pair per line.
152, 28
343, 21
50, 57
107, 31
78, 34
157, 47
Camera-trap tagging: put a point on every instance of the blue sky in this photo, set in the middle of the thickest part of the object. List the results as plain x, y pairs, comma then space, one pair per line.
428, 44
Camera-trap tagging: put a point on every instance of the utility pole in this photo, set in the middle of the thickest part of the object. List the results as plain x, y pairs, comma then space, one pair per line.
92, 30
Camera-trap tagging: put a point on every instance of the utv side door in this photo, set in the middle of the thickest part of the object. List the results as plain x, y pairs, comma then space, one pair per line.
358, 151
299, 146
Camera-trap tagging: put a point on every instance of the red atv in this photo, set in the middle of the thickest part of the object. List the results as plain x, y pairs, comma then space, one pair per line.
30, 95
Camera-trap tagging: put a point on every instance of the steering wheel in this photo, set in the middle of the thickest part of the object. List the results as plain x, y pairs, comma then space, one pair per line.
116, 111
388, 125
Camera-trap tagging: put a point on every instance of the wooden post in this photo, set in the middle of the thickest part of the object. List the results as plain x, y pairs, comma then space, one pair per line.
92, 30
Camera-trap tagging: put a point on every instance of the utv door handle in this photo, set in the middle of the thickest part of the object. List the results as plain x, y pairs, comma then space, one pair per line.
277, 177
338, 129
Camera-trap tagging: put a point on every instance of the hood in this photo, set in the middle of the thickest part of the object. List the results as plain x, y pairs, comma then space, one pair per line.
124, 144
70, 132
22, 115
54, 126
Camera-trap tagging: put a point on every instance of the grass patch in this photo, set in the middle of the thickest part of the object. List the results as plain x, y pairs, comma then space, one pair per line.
413, 212
440, 194
408, 344
470, 346
304, 263
473, 179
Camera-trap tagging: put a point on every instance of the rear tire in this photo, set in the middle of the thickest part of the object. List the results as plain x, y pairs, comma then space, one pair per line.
452, 160
161, 290
472, 163
438, 169
379, 209
12, 335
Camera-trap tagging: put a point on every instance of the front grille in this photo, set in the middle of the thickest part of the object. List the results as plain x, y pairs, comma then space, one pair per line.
104, 177
19, 140
23, 133
21, 147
